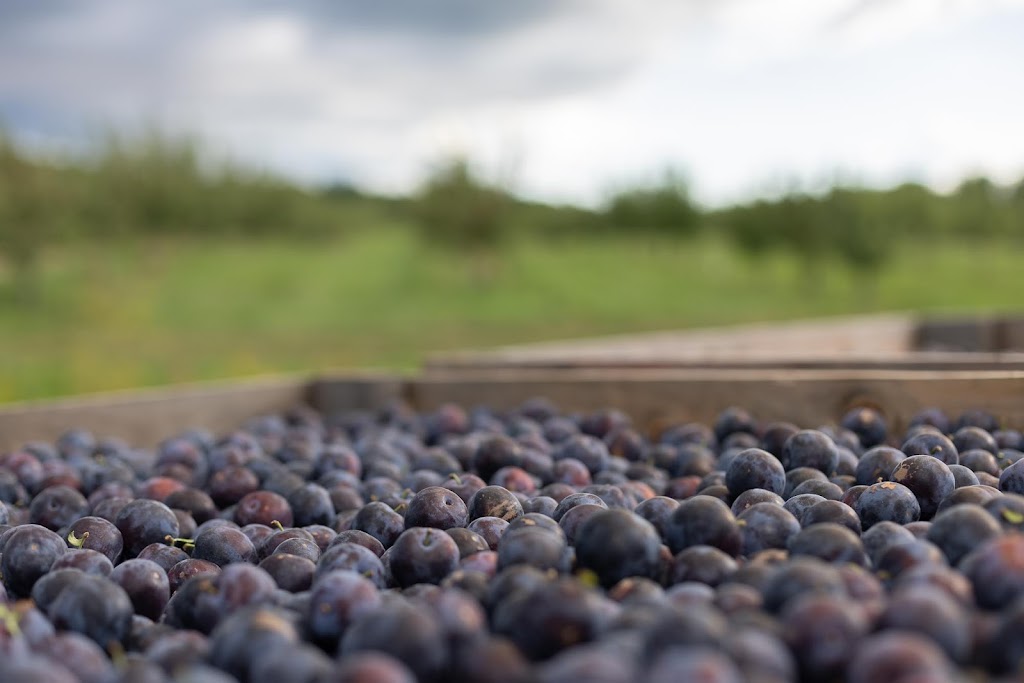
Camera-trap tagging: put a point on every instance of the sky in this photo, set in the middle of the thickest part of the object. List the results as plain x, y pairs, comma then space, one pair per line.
562, 100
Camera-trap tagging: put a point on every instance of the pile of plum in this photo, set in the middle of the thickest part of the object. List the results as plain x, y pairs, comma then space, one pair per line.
520, 546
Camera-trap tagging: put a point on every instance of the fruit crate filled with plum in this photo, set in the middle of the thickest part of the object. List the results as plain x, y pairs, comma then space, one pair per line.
535, 524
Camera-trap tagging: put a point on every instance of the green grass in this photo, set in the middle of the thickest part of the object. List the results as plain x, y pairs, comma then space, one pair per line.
150, 313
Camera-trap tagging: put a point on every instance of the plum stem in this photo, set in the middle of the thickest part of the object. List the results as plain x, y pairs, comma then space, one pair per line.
186, 543
117, 653
9, 618
77, 541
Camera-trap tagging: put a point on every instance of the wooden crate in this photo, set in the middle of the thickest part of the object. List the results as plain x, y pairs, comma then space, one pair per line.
881, 342
656, 397
144, 417
809, 371
658, 379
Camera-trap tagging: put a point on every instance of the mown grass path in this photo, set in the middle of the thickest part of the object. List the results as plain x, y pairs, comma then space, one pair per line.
149, 313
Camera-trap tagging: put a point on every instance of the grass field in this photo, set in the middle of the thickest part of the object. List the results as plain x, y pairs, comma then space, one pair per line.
149, 313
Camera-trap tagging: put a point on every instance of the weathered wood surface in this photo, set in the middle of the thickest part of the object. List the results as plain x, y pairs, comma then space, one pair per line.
808, 372
657, 397
893, 341
865, 336
343, 391
145, 417
923, 360
654, 397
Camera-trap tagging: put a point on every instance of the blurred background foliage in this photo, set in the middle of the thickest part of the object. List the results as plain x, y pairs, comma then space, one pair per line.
145, 262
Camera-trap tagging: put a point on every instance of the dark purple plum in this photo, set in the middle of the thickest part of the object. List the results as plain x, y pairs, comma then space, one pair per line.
831, 511
402, 630
29, 552
996, 570
766, 525
963, 476
799, 577
833, 543
933, 614
752, 497
887, 501
142, 522
900, 557
754, 468
494, 453
263, 507
810, 448
224, 545
469, 542
731, 420
897, 656
269, 544
536, 546
380, 521
186, 569
88, 561
494, 501
240, 638
299, 547
970, 438
798, 505
290, 572
617, 544
95, 607
436, 507
928, 478
423, 555
359, 538
960, 529
1011, 480
352, 557
703, 520
56, 507
877, 464
338, 598
868, 424
933, 444
549, 618
1008, 510
823, 631
96, 533
146, 585
490, 529
589, 450
311, 504
819, 487
703, 564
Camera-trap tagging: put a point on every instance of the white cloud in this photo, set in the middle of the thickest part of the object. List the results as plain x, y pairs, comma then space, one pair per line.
575, 94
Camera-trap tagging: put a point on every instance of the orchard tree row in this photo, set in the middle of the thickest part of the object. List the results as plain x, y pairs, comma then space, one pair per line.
157, 186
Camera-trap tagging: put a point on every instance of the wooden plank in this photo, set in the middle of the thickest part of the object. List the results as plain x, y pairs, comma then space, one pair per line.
935, 360
656, 398
337, 392
888, 335
1010, 334
958, 334
145, 417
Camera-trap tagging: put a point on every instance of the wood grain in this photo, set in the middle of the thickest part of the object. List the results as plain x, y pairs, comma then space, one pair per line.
859, 336
808, 372
145, 417
658, 397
